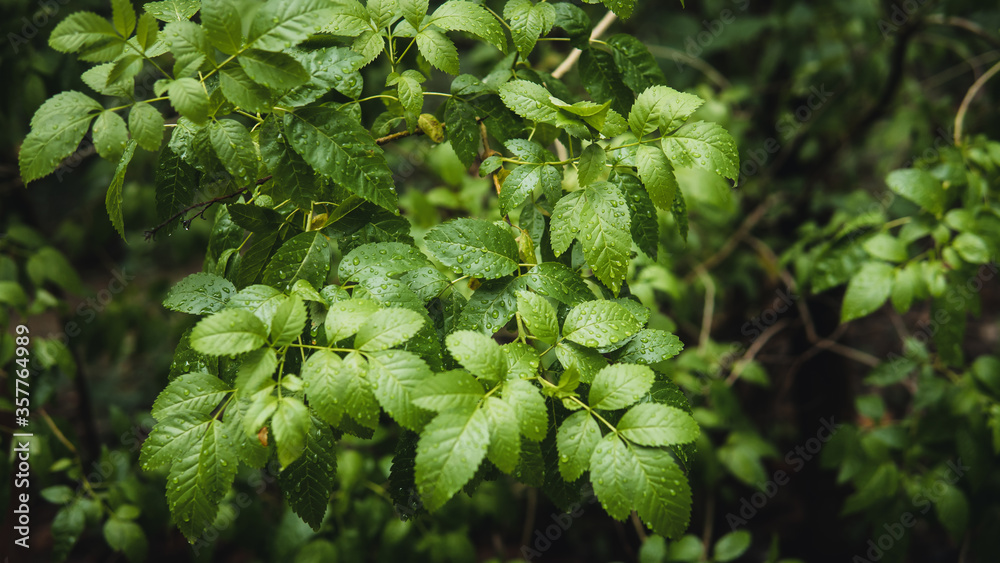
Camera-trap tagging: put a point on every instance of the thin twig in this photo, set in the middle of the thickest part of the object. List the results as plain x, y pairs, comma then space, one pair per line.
706, 537
574, 55
754, 348
639, 528
965, 24
744, 229
962, 109
529, 515
709, 310
710, 72
393, 136
204, 205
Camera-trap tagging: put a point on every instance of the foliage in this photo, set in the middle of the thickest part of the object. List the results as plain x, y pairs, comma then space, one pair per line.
434, 265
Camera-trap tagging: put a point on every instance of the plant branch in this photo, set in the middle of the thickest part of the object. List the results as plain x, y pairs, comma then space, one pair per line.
204, 206
744, 229
574, 55
967, 100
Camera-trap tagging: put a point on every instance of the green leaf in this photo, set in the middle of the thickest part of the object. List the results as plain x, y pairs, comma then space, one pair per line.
309, 480
56, 129
234, 147
110, 135
474, 247
57, 494
599, 323
451, 391
255, 373
399, 377
650, 424
459, 15
920, 187
277, 71
679, 211
188, 97
539, 315
555, 280
604, 224
527, 401
123, 17
603, 81
279, 25
638, 66
885, 247
223, 24
505, 436
703, 145
529, 100
175, 183
173, 10
387, 328
663, 498
524, 180
526, 24
411, 96
591, 165
171, 438
450, 450
478, 353
199, 293
614, 474
228, 333
189, 45
67, 526
82, 30
731, 546
338, 147
305, 256
644, 225
657, 175
867, 290
492, 305
462, 130
113, 200
380, 259
12, 294
335, 387
413, 11
345, 317
198, 393
146, 125
289, 320
650, 346
623, 9
663, 108
348, 18
290, 425
576, 439
147, 32
972, 248
619, 385
438, 50
200, 477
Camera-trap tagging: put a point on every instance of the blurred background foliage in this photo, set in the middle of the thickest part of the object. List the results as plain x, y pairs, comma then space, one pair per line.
824, 100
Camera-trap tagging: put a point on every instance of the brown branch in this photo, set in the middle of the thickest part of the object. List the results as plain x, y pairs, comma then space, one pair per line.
744, 229
574, 55
204, 206
965, 24
967, 100
393, 136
